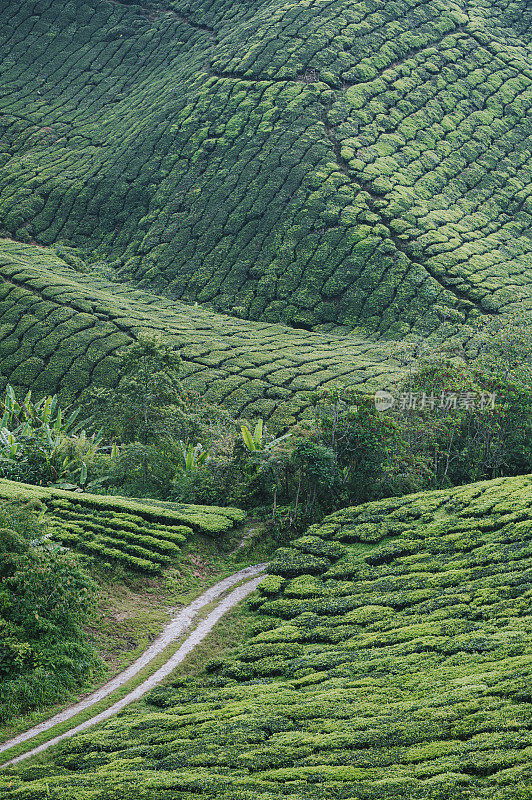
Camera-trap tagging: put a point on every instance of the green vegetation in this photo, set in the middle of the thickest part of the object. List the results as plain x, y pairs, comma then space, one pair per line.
142, 406
131, 612
389, 658
35, 438
45, 600
454, 420
140, 536
359, 180
352, 164
485, 431
223, 227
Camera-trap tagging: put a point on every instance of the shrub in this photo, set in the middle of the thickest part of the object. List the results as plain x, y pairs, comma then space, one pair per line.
46, 599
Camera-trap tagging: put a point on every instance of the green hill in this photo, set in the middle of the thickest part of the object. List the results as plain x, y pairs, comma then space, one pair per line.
391, 660
59, 331
316, 163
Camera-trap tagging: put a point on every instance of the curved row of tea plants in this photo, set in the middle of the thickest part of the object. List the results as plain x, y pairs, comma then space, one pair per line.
59, 331
138, 535
391, 660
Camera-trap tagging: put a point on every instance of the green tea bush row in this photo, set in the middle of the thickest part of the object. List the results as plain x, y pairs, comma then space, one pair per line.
120, 522
147, 540
133, 549
100, 550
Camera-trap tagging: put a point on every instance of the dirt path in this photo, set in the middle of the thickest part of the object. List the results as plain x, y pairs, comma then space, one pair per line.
175, 628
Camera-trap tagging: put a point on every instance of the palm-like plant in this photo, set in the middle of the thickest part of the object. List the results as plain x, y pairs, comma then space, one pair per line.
39, 429
43, 420
193, 456
253, 441
256, 441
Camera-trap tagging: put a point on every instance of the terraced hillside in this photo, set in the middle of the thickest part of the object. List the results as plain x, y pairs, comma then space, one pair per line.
317, 162
392, 659
140, 535
59, 331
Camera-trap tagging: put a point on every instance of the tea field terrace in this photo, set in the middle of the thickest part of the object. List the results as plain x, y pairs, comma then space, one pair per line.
144, 535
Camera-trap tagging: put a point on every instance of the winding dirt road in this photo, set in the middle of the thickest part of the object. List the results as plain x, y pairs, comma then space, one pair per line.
174, 630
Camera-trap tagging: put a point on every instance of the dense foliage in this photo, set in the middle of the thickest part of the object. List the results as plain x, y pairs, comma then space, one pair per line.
45, 599
147, 399
38, 443
455, 420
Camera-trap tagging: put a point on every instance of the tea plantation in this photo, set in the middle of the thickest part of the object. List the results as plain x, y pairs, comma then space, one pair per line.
144, 536
391, 660
59, 331
315, 163
285, 191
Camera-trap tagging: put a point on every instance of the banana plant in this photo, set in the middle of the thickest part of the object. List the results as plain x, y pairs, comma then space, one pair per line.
39, 428
256, 441
253, 441
9, 444
193, 456
44, 417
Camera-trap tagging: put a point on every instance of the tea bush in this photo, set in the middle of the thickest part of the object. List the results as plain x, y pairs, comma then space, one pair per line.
81, 323
139, 535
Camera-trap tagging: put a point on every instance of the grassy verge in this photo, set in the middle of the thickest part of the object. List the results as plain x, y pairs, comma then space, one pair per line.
220, 640
132, 611
231, 631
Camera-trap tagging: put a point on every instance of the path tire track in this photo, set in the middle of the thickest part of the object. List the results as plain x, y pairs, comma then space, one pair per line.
174, 630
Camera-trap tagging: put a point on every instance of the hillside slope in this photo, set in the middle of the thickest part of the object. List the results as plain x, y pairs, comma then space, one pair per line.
60, 330
143, 535
314, 162
391, 660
